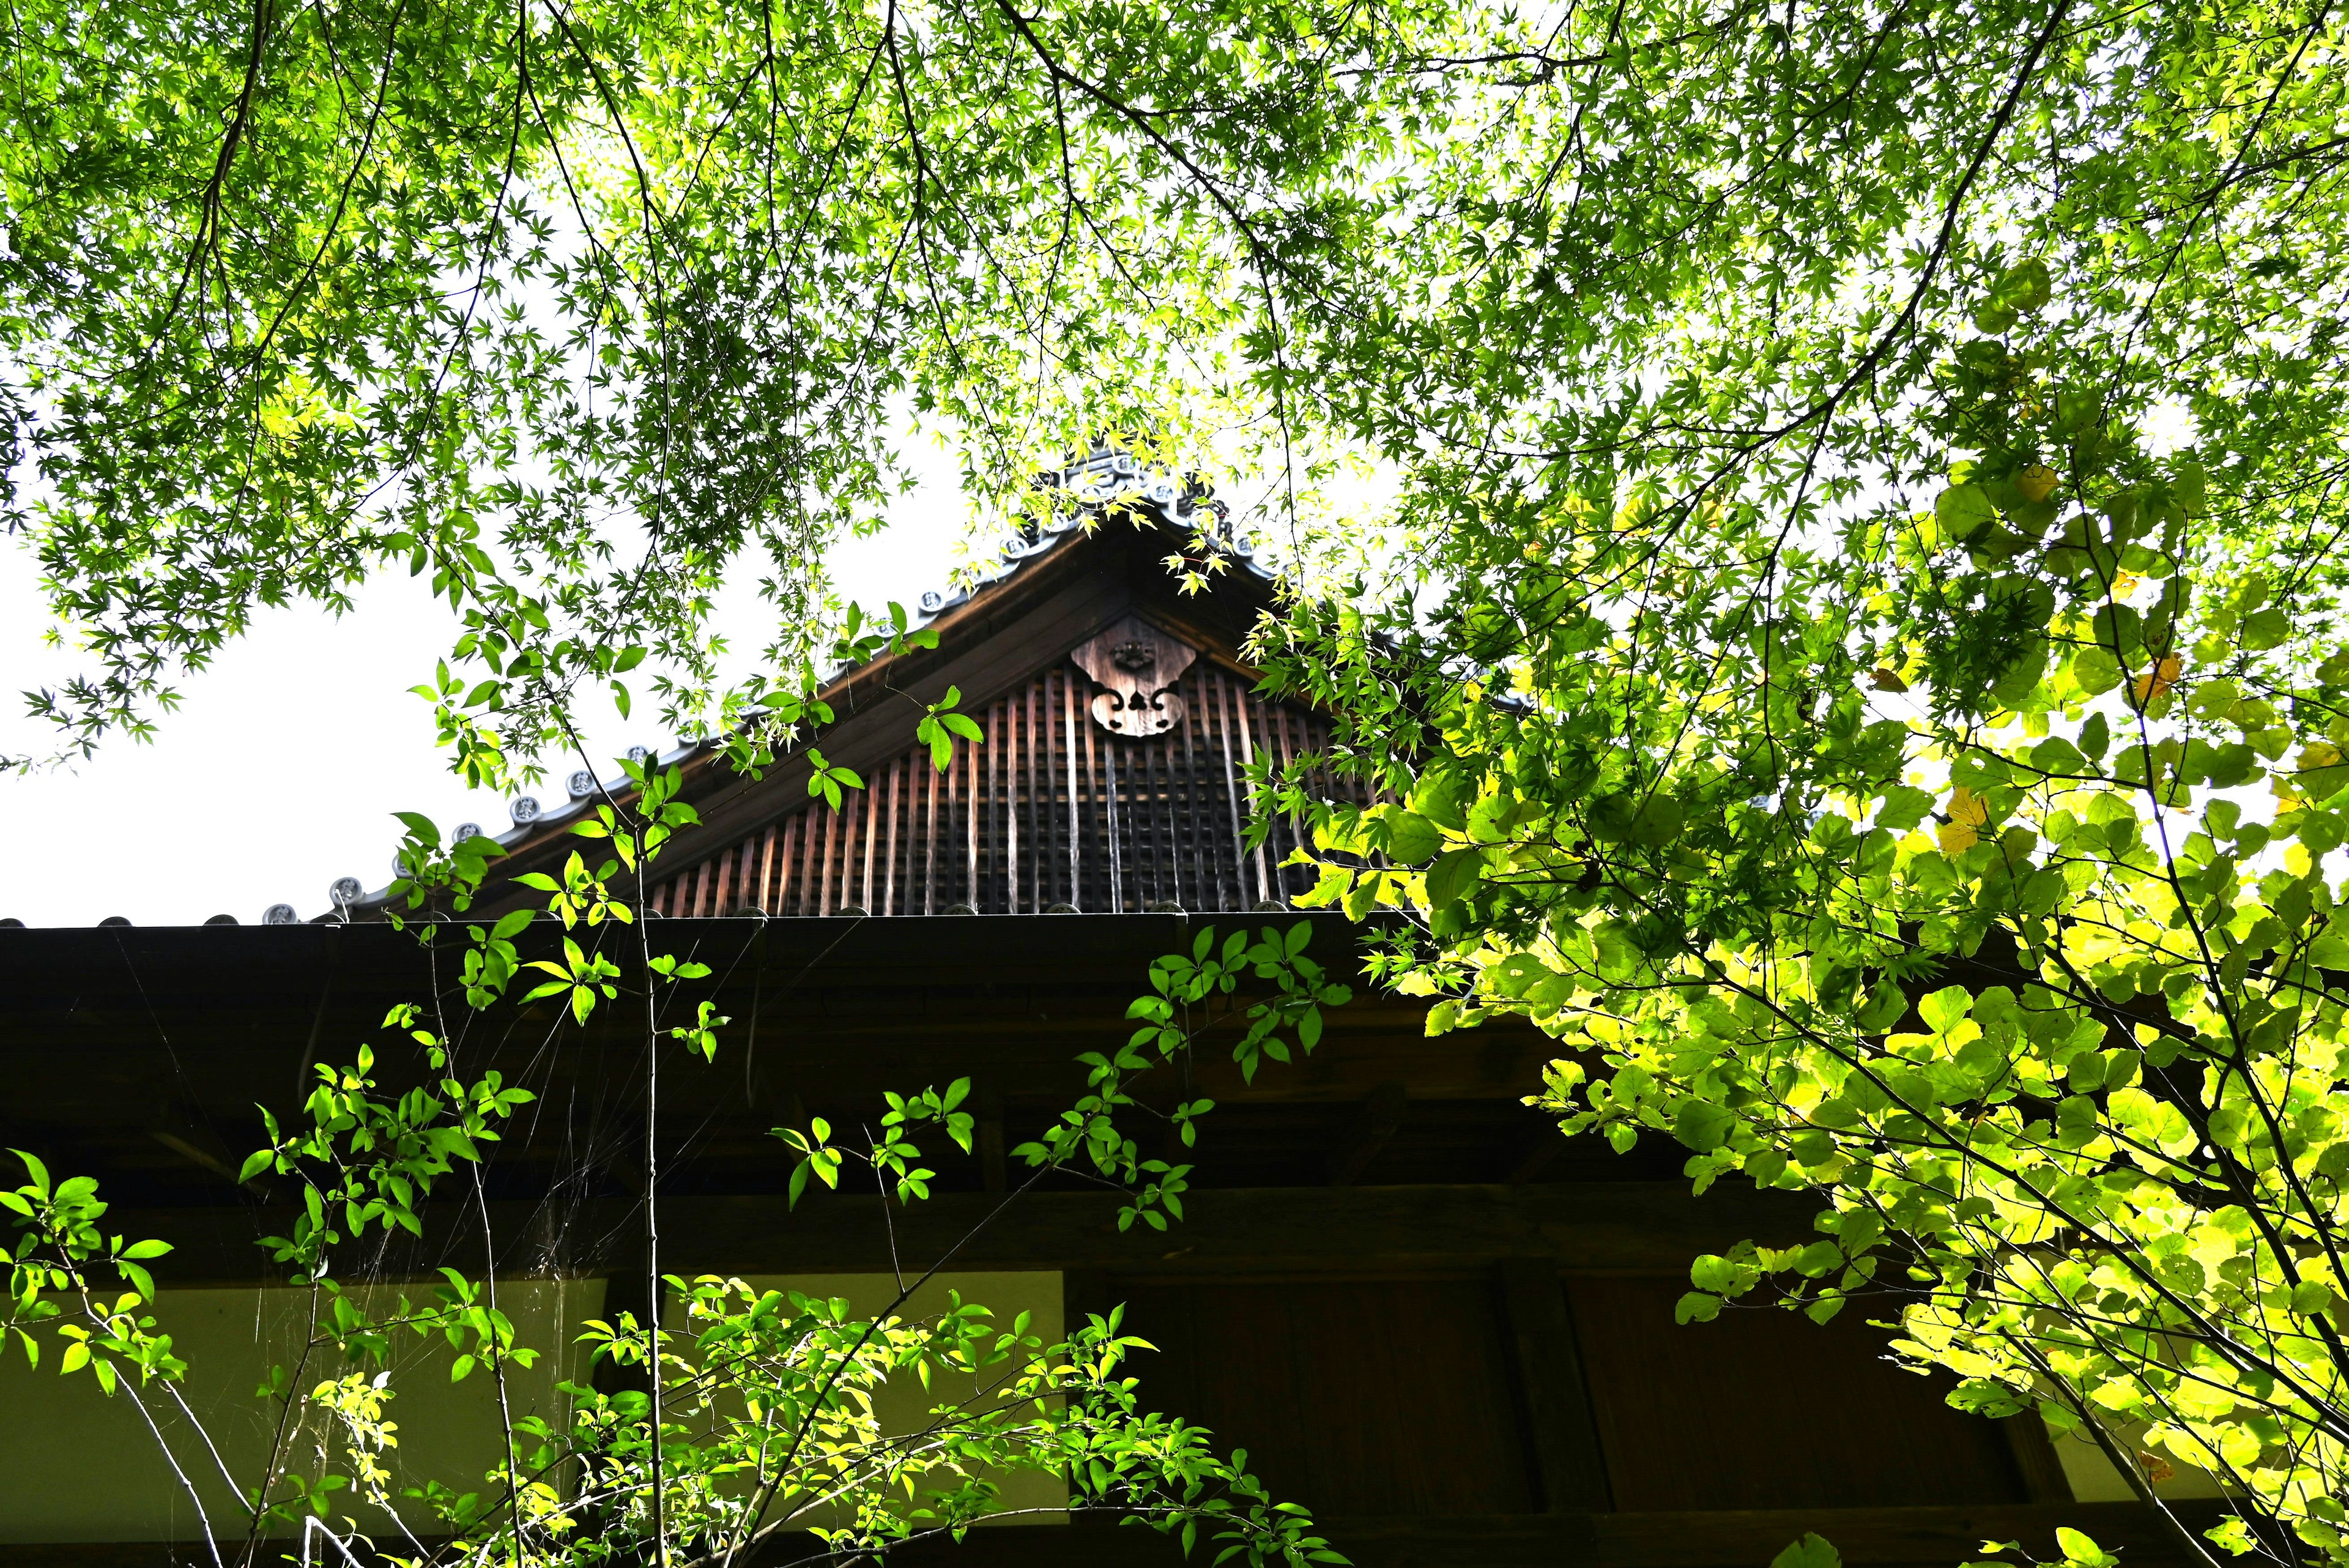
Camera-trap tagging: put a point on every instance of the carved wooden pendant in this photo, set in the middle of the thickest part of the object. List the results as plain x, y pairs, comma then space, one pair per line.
1139, 664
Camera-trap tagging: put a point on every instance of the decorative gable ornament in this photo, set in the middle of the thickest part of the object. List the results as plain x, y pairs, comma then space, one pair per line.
1139, 664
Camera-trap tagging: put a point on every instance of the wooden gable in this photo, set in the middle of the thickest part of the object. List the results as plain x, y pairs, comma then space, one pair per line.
1120, 724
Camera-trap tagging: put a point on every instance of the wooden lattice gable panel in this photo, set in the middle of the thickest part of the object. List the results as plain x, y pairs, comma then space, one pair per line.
1054, 812
1085, 795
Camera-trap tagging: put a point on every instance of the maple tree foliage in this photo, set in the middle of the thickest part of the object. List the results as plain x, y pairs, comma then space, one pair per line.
1859, 660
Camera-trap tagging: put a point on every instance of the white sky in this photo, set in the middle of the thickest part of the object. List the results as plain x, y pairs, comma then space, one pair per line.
279, 771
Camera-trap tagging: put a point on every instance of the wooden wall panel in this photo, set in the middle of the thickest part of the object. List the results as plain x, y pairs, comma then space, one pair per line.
1765, 1410
1391, 1397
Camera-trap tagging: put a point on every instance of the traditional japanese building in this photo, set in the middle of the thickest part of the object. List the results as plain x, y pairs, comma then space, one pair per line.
1424, 1314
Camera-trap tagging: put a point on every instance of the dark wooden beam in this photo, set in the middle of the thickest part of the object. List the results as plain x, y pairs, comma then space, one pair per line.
1629, 1226
844, 1008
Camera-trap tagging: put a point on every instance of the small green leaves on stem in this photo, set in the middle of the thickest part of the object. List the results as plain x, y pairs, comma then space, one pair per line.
671, 968
429, 872
859, 642
827, 780
59, 1243
817, 1156
930, 1105
1179, 980
939, 726
701, 1036
368, 1159
581, 976
492, 961
581, 896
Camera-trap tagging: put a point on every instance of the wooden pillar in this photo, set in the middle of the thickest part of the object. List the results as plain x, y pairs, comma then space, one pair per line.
1561, 1433
1375, 1122
2043, 1479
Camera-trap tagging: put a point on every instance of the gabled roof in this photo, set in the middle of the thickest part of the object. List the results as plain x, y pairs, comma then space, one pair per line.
1061, 808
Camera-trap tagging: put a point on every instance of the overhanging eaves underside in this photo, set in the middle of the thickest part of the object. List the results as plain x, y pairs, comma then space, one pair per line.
1055, 811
